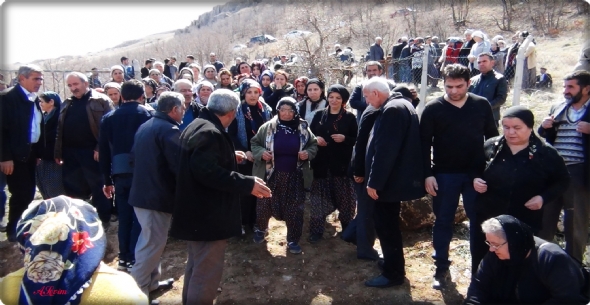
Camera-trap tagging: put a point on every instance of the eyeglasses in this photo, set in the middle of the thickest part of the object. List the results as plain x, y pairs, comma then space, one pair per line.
287, 110
495, 247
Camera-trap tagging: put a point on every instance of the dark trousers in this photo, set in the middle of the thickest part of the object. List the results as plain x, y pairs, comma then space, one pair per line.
82, 179
387, 227
21, 185
444, 206
3, 196
576, 203
204, 268
129, 227
365, 223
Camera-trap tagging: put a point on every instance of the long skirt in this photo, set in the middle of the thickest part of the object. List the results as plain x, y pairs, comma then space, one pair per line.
328, 195
286, 203
49, 179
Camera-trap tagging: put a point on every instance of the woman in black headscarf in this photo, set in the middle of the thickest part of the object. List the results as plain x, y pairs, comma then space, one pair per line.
315, 100
519, 174
48, 173
522, 269
281, 150
332, 189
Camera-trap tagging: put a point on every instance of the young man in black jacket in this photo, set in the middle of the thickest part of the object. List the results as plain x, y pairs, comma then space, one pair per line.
117, 131
490, 84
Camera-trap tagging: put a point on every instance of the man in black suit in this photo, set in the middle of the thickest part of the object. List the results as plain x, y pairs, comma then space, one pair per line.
21, 129
393, 173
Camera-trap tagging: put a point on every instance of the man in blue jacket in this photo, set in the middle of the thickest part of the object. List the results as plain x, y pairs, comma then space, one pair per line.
490, 84
115, 140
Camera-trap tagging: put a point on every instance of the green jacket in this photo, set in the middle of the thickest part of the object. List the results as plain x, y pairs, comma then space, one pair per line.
263, 141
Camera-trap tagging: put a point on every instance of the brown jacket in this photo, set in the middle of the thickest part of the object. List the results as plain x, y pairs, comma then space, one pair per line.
98, 105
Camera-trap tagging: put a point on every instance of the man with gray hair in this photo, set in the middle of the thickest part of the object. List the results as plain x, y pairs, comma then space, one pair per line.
393, 173
157, 142
163, 78
376, 51
193, 109
207, 204
21, 129
76, 144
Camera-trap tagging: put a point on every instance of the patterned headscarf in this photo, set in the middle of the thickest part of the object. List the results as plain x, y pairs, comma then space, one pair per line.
63, 242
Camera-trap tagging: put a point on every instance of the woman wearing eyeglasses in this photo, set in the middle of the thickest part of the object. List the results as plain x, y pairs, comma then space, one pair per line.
518, 175
522, 269
281, 150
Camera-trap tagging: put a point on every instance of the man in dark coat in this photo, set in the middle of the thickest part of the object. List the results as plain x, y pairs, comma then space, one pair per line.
207, 204
21, 129
393, 173
396, 52
357, 100
376, 51
155, 166
466, 48
490, 84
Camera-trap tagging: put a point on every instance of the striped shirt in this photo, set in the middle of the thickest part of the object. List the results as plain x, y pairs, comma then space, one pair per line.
569, 141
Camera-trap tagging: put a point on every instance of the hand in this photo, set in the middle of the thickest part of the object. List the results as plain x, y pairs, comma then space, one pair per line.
249, 156
583, 127
108, 191
431, 185
260, 189
278, 86
240, 156
358, 179
535, 203
321, 141
548, 122
303, 155
372, 193
96, 156
38, 161
59, 161
480, 185
7, 167
338, 138
266, 156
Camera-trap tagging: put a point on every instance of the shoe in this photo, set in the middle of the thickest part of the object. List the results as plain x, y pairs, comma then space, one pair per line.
383, 282
258, 237
130, 266
122, 265
166, 284
440, 278
314, 238
294, 248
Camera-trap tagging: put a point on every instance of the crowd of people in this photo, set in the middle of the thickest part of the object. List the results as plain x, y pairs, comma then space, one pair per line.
203, 157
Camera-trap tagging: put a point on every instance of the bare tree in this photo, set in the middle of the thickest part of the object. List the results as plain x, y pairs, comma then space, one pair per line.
507, 14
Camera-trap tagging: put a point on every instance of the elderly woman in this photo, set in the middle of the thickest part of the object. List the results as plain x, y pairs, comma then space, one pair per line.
204, 90
251, 114
186, 73
300, 83
282, 149
225, 80
315, 100
522, 269
210, 74
63, 245
499, 56
196, 73
117, 74
518, 175
113, 91
280, 88
481, 45
48, 173
332, 189
244, 68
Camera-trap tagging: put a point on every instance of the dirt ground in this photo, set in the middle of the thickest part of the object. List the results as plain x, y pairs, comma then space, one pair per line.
325, 273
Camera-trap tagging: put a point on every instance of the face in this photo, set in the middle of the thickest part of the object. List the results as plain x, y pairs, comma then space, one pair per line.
414, 93
114, 94
160, 68
155, 76
283, 58
428, 41
186, 91
467, 37
372, 98
477, 39
31, 83
252, 95
196, 71
178, 113
498, 245
210, 73
335, 100
256, 71
456, 89
149, 65
94, 73
46, 106
573, 92
212, 58
125, 62
501, 45
485, 64
77, 86
148, 90
204, 94
225, 80
515, 131
300, 88
118, 76
379, 41
494, 46
266, 81
172, 61
189, 60
280, 80
244, 68
373, 71
314, 92
286, 113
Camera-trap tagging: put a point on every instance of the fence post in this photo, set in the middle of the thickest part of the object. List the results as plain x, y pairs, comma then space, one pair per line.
517, 86
424, 79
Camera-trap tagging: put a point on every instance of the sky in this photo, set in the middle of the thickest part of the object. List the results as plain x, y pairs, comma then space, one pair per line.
51, 29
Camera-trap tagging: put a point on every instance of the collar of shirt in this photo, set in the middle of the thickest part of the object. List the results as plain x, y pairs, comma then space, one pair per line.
31, 96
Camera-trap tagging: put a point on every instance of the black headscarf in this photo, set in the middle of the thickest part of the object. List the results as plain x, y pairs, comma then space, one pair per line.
314, 104
521, 112
340, 90
294, 123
